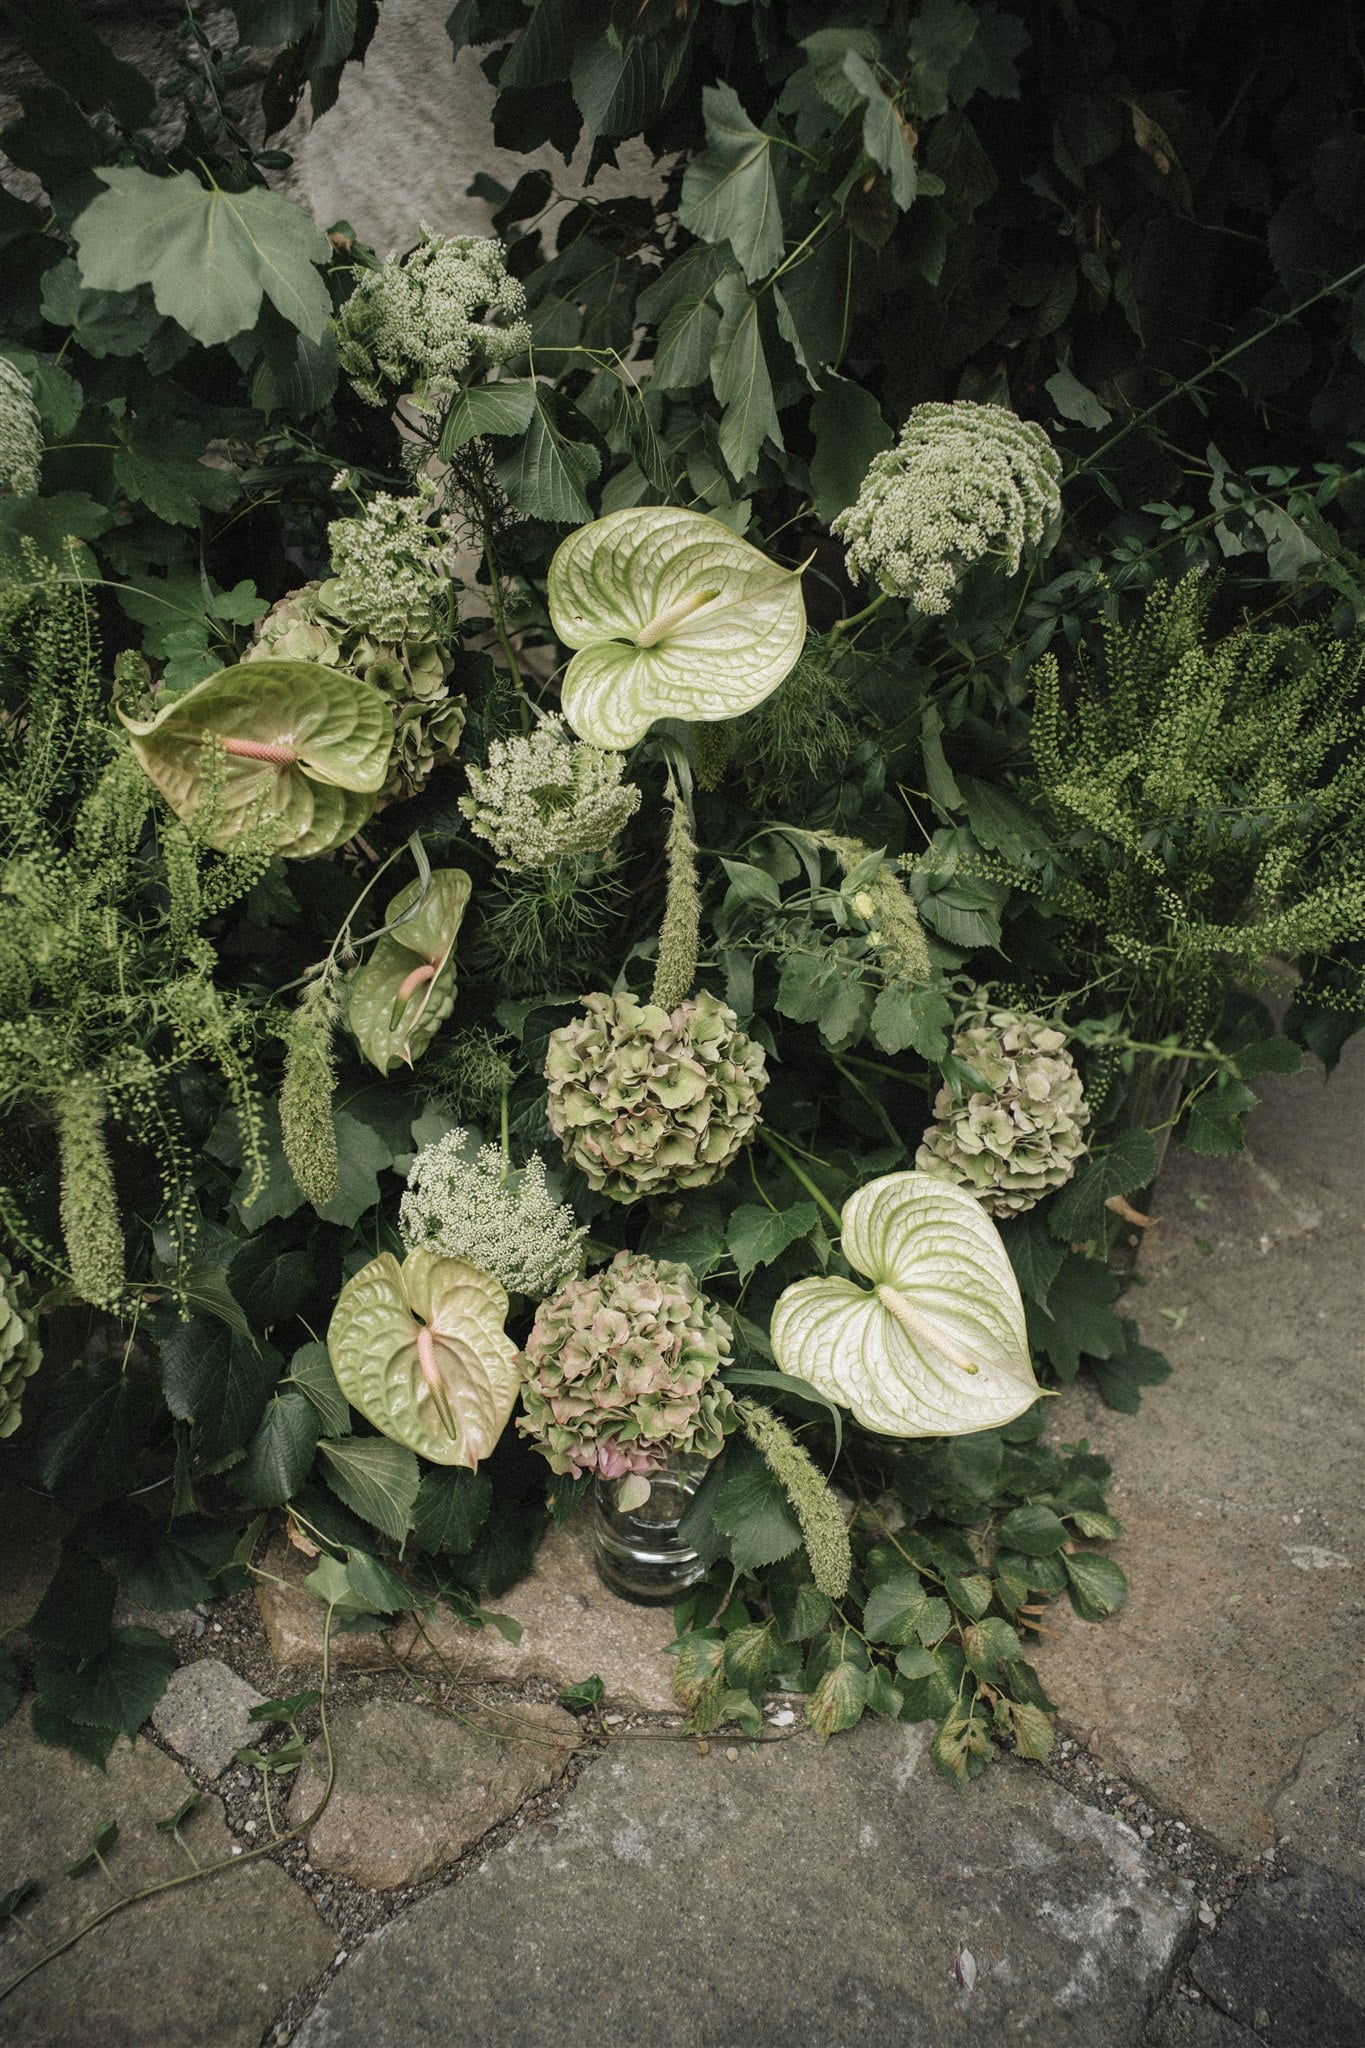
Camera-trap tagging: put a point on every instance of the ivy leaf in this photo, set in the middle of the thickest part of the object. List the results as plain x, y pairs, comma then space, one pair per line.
116, 1688
1078, 1215
1096, 1585
729, 192
160, 463
547, 475
752, 1512
849, 430
838, 1700
1121, 1380
739, 377
884, 132
377, 1478
208, 255
451, 1507
758, 1236
281, 1450
1079, 1321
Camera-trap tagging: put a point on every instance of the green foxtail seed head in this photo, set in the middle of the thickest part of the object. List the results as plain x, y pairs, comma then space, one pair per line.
89, 1205
963, 481
822, 1525
620, 1371
646, 1101
306, 1127
680, 933
467, 1203
1019, 1136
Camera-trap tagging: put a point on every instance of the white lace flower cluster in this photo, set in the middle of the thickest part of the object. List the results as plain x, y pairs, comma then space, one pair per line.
420, 321
467, 1204
548, 795
963, 481
21, 435
390, 569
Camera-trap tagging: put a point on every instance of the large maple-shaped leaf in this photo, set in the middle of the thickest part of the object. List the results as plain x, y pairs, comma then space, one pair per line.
937, 1346
208, 255
673, 616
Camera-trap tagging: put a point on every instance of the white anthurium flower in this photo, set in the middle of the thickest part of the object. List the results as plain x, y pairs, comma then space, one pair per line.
673, 616
938, 1345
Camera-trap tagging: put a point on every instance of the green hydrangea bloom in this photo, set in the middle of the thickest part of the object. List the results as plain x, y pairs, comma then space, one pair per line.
1021, 1135
20, 1352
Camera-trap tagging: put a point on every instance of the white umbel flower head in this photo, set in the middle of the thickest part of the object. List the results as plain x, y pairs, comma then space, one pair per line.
1022, 1133
390, 573
548, 795
963, 481
21, 435
466, 1203
421, 321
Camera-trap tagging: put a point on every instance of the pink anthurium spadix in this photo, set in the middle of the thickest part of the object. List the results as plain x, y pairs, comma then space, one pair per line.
420, 1349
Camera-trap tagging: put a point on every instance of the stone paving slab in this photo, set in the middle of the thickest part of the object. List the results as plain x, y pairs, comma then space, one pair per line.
1288, 1961
415, 1787
571, 1628
205, 1714
757, 1898
209, 1963
1239, 1488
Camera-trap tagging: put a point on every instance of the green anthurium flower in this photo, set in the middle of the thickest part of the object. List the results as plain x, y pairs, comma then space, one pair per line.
406, 988
673, 616
289, 749
421, 1351
938, 1346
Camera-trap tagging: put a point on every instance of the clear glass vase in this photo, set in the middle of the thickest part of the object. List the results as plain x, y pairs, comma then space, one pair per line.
638, 1551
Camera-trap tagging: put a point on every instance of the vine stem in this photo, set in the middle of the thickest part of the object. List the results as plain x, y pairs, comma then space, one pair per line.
230, 1862
793, 1166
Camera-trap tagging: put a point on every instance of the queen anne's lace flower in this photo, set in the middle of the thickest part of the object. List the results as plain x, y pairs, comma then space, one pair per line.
963, 481
621, 1371
467, 1204
390, 574
645, 1101
548, 795
1022, 1134
21, 434
420, 321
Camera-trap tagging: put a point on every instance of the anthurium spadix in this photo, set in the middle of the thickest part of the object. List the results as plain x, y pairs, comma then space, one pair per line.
289, 750
406, 989
673, 616
421, 1351
936, 1346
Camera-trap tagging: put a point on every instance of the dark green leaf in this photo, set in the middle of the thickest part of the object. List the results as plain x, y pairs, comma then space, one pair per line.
311, 1369
1077, 1214
487, 409
77, 1607
159, 462
58, 1732
758, 1236
729, 192
14, 1899
739, 377
895, 1609
270, 1284
914, 1018
588, 1693
92, 1434
753, 1512
750, 1652
1034, 1530
1121, 1379
1080, 1321
64, 46
281, 1450
988, 1646
1035, 1254
849, 430
218, 1380
381, 1588
1075, 401
941, 32
1096, 1585
884, 133
363, 1153
547, 475
286, 1709
1214, 1126
187, 1806
451, 1508
117, 1688
377, 1478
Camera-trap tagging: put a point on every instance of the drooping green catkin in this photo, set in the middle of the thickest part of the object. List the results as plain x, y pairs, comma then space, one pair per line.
306, 1127
894, 927
713, 742
89, 1205
680, 932
816, 1509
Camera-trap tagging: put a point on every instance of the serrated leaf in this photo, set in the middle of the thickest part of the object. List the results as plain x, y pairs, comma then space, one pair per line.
1214, 1125
117, 1688
546, 475
311, 1369
1079, 1321
281, 1451
217, 1380
329, 1581
838, 1700
849, 430
729, 192
884, 133
487, 409
160, 463
1034, 1253
915, 1018
1077, 1213
750, 1652
57, 1732
451, 1507
1096, 1584
895, 1609
989, 1644
1036, 1531
404, 991
420, 1349
672, 616
758, 1236
92, 1434
77, 1606
740, 380
377, 1478
381, 1588
938, 1346
753, 1513
330, 736
208, 255
1033, 1732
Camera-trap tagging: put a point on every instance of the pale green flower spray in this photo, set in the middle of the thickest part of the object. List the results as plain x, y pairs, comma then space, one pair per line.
680, 932
894, 929
420, 322
963, 481
548, 795
390, 573
470, 1204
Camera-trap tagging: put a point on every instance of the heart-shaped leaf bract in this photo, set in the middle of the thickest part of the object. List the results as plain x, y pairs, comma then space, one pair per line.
673, 616
421, 1351
938, 1347
288, 749
406, 989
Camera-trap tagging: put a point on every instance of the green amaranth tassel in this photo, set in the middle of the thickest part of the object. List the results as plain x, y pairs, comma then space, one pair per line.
306, 1127
816, 1509
89, 1205
680, 932
713, 743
